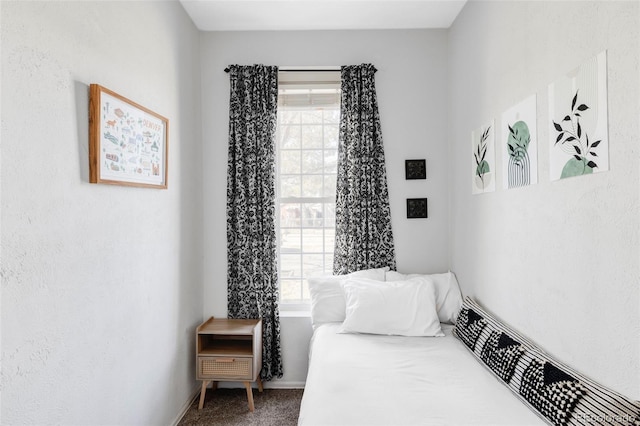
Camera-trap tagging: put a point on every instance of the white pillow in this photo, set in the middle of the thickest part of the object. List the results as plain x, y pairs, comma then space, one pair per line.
327, 296
404, 308
448, 295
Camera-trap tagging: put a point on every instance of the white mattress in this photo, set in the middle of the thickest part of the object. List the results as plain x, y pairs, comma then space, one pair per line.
357, 379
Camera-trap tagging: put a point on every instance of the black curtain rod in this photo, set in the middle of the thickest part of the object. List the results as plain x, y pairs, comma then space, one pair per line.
304, 70
298, 70
308, 70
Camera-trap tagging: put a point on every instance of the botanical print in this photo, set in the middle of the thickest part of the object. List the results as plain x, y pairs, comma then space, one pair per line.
520, 145
483, 178
578, 126
132, 143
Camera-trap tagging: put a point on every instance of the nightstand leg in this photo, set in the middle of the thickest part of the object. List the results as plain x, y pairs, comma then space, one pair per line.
203, 392
249, 395
259, 384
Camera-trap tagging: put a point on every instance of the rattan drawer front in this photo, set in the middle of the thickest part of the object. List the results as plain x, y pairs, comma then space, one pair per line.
225, 368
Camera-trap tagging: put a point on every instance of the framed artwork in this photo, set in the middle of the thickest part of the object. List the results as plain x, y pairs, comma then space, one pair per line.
416, 208
578, 124
483, 164
415, 169
128, 143
520, 144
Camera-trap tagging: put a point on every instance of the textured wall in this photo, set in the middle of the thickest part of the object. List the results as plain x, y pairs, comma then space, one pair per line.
558, 260
102, 285
411, 86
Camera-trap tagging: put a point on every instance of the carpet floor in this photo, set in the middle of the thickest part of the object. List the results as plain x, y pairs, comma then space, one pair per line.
229, 407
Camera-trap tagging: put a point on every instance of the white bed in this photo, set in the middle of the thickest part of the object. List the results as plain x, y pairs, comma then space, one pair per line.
383, 352
363, 379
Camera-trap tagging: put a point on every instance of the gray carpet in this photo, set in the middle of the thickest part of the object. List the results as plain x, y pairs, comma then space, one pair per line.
229, 407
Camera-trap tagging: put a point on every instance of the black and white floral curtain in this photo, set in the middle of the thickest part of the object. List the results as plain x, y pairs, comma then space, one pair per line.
363, 218
252, 274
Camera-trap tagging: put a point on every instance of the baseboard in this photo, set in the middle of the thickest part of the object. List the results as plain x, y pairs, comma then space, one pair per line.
276, 384
183, 410
283, 385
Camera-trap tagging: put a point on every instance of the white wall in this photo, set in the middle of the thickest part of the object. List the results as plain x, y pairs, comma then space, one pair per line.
102, 285
96, 330
411, 85
1, 282
557, 260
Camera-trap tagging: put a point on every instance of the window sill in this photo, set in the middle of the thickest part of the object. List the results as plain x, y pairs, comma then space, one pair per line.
295, 314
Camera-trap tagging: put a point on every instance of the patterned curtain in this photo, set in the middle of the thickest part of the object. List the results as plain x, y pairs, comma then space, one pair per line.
363, 219
252, 274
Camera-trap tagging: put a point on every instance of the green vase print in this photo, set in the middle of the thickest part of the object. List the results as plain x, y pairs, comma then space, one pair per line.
518, 170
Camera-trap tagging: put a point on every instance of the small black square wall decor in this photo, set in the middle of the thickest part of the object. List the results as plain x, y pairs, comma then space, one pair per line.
416, 208
415, 169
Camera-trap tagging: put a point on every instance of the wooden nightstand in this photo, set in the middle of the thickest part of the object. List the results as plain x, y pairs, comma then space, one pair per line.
229, 350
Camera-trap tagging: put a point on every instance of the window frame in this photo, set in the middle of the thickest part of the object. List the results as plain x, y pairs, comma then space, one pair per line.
304, 80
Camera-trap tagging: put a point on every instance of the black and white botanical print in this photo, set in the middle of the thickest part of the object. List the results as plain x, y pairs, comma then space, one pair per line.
364, 238
576, 141
483, 165
252, 274
578, 130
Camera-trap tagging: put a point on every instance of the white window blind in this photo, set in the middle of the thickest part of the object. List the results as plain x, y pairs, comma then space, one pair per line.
309, 89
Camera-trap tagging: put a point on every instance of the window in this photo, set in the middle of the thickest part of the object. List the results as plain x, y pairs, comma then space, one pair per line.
307, 157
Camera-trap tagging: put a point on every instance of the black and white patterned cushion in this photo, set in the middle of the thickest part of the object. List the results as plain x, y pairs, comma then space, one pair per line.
551, 391
557, 393
501, 354
469, 326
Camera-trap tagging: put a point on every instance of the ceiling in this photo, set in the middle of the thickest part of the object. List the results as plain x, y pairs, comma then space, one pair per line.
281, 15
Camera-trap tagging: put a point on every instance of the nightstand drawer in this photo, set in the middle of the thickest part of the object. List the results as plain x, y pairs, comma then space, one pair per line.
225, 368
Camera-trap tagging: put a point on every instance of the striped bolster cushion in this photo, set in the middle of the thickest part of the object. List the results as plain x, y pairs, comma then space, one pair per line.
554, 391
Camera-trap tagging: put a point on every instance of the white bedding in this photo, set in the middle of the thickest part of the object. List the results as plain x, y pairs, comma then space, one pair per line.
357, 379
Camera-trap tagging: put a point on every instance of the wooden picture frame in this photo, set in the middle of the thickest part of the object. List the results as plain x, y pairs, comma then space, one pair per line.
417, 208
415, 169
128, 143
